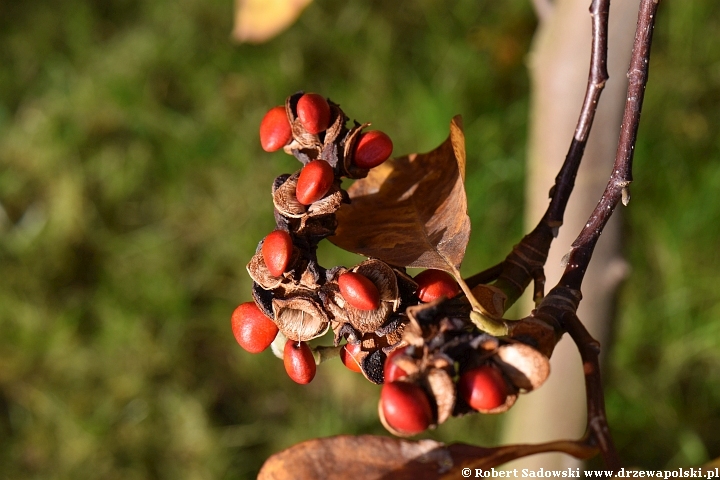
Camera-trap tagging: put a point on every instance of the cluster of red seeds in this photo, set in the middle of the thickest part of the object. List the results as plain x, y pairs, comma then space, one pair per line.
404, 404
252, 328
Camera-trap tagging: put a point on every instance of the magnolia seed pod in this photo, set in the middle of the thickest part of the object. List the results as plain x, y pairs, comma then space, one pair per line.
300, 318
526, 367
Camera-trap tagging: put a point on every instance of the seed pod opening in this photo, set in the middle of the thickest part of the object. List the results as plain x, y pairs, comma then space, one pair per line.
526, 367
300, 318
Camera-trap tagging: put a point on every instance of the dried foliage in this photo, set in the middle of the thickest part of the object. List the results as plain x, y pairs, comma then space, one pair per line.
412, 210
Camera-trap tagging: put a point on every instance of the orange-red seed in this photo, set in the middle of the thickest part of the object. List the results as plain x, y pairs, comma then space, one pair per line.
406, 407
275, 131
347, 355
372, 149
315, 180
276, 251
299, 362
433, 284
359, 291
313, 111
252, 329
483, 388
392, 372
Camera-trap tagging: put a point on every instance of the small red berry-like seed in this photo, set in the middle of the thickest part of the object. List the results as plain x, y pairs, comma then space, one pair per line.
315, 180
275, 131
347, 355
314, 113
392, 372
252, 329
406, 407
372, 149
433, 284
299, 362
276, 251
359, 291
483, 388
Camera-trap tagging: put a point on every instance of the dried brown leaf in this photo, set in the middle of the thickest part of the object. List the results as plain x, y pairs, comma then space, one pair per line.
384, 458
411, 211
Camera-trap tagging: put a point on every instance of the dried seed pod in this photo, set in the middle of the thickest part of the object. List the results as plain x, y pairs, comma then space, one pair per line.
258, 271
287, 204
286, 201
304, 145
364, 321
350, 169
526, 367
443, 389
300, 318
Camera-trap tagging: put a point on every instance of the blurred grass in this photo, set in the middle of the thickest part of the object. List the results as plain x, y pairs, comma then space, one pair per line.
133, 192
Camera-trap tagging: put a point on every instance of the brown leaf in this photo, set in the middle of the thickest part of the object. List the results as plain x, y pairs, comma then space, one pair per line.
384, 458
258, 21
411, 211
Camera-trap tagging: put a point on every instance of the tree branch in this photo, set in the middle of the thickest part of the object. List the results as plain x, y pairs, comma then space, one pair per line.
618, 186
525, 263
560, 306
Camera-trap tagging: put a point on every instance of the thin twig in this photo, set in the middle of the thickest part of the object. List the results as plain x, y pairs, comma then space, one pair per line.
527, 260
617, 188
597, 426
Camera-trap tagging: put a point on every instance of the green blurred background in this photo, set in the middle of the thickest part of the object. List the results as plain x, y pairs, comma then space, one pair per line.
134, 191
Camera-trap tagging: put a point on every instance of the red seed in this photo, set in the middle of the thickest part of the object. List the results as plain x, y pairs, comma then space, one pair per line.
313, 111
483, 388
372, 149
359, 291
299, 362
275, 131
315, 180
392, 372
433, 284
276, 251
252, 329
347, 355
406, 407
